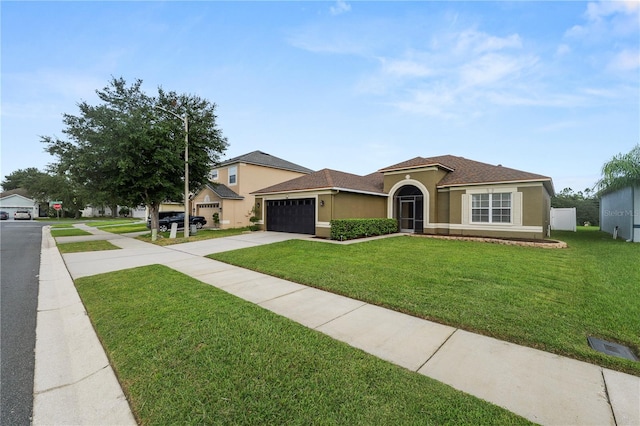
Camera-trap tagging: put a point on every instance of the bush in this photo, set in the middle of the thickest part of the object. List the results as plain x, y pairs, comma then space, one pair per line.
348, 229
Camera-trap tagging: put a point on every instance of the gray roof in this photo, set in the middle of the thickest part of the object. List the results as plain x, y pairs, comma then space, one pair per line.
224, 191
260, 158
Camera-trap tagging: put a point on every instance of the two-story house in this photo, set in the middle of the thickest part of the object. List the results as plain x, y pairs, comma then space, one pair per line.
228, 192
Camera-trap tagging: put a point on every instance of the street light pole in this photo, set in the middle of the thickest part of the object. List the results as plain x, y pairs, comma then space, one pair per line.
187, 212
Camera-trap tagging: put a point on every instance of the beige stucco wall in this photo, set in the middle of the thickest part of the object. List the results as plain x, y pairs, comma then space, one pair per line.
429, 177
358, 206
249, 178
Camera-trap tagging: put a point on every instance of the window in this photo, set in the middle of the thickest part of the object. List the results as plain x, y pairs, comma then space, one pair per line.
233, 175
491, 208
213, 175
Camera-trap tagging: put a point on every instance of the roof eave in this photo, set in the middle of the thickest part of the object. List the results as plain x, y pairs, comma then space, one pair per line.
543, 181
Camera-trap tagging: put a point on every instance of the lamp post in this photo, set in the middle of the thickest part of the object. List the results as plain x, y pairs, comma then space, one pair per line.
186, 167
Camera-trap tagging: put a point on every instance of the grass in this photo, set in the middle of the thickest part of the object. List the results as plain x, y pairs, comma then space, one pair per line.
188, 353
68, 232
124, 228
97, 245
112, 222
203, 234
550, 299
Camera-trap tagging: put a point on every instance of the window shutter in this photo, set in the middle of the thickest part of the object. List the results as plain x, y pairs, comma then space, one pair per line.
466, 208
516, 208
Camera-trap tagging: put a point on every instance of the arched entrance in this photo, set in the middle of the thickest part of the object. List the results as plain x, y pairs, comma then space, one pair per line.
409, 209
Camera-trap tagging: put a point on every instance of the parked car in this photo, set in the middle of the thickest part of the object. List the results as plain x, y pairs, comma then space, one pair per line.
164, 224
4, 216
22, 215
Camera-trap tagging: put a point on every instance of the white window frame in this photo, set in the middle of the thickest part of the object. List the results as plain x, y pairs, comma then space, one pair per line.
214, 174
487, 201
233, 173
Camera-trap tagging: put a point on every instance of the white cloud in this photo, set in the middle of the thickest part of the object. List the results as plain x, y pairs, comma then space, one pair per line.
480, 42
405, 68
493, 68
563, 50
598, 10
340, 7
626, 60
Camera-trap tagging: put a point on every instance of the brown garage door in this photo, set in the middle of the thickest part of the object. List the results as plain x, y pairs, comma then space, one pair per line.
297, 216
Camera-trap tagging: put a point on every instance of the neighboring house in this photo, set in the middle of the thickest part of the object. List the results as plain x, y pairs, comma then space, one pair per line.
138, 212
231, 183
621, 209
446, 195
14, 200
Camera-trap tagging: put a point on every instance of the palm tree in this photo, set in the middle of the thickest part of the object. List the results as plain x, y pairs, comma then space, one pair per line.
622, 171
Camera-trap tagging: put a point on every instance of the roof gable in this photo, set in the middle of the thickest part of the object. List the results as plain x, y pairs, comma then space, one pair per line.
462, 171
330, 179
224, 191
260, 158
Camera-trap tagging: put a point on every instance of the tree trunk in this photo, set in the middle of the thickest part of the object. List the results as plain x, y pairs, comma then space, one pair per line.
154, 215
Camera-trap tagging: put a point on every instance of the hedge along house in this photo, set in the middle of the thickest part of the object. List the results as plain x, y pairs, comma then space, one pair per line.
228, 191
445, 195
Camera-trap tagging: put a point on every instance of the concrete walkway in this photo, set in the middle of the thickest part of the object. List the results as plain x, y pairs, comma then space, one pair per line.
75, 384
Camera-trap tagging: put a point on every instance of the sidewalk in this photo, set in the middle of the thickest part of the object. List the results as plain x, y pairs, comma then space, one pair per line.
75, 384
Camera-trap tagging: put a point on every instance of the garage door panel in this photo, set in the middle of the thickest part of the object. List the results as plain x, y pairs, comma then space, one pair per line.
297, 216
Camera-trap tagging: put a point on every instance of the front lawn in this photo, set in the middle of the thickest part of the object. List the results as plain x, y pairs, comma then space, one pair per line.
188, 353
124, 228
97, 245
550, 299
68, 232
202, 234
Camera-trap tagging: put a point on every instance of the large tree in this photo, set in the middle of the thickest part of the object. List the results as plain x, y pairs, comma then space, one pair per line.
129, 147
22, 178
621, 171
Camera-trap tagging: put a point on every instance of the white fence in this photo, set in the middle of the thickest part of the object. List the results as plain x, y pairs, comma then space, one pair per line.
563, 219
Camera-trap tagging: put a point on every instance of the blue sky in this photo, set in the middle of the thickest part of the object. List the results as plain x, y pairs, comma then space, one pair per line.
547, 87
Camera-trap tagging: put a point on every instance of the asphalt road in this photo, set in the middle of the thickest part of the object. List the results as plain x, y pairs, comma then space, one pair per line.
19, 268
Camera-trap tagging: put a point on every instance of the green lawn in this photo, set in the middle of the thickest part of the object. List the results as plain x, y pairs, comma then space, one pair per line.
550, 299
68, 232
97, 245
188, 353
124, 228
113, 222
203, 234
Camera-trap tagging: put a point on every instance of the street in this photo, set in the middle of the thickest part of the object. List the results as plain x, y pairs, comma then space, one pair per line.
19, 266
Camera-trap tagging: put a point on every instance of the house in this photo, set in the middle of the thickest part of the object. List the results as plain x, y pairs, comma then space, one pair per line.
446, 195
621, 210
231, 183
18, 199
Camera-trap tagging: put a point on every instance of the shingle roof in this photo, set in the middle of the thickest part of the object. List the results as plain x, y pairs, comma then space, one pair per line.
224, 191
330, 179
263, 159
466, 172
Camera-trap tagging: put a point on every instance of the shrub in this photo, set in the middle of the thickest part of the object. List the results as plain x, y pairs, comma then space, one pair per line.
348, 229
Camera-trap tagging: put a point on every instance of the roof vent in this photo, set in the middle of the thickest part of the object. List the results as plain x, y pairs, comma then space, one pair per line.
611, 348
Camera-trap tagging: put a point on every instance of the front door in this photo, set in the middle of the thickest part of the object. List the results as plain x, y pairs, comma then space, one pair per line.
409, 209
407, 215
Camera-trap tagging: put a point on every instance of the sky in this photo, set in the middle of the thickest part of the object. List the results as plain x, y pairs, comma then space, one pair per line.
546, 87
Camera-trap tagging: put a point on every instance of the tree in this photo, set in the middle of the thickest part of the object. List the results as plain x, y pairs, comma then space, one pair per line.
621, 171
129, 148
22, 178
586, 204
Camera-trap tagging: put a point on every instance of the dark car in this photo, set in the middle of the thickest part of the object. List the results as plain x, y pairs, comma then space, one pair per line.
164, 224
4, 216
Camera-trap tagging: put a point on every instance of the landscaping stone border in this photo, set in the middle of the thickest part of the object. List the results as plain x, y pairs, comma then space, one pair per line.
552, 244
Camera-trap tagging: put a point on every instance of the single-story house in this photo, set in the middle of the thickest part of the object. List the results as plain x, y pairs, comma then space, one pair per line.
446, 195
228, 192
14, 200
621, 209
